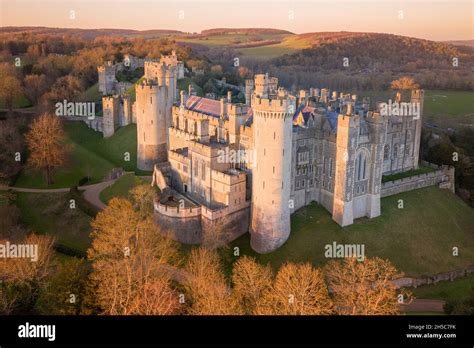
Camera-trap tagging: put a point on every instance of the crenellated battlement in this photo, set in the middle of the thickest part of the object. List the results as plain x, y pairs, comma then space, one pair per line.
280, 105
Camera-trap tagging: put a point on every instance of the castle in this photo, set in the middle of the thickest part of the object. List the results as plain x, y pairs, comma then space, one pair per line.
224, 168
117, 105
248, 167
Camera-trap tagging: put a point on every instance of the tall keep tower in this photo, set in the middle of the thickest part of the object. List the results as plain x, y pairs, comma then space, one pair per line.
106, 78
417, 96
249, 86
271, 183
347, 130
154, 99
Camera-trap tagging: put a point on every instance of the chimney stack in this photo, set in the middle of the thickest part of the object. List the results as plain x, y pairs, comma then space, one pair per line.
223, 107
229, 96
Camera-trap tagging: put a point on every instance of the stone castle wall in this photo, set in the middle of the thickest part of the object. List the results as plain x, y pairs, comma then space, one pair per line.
443, 177
191, 225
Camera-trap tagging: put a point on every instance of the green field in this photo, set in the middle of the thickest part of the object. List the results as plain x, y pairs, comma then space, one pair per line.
20, 102
92, 155
49, 213
443, 108
92, 93
121, 187
459, 289
131, 91
417, 239
230, 39
82, 162
112, 149
449, 108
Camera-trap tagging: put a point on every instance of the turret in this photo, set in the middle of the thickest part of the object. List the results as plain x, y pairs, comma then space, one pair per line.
153, 117
271, 174
347, 133
417, 96
111, 115
249, 87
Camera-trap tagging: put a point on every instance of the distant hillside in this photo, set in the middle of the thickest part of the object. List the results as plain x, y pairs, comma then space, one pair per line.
89, 33
244, 31
373, 59
308, 40
468, 43
369, 50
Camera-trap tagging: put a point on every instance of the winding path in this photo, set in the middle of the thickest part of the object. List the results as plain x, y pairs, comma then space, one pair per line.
424, 305
91, 192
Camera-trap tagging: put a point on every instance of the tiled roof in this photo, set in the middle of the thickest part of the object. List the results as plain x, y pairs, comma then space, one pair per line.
249, 118
206, 106
305, 111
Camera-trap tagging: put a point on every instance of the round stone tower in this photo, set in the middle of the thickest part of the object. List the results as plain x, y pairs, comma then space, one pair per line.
271, 183
154, 99
151, 109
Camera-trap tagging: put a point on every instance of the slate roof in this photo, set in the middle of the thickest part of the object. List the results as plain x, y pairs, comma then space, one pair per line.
305, 111
206, 106
332, 118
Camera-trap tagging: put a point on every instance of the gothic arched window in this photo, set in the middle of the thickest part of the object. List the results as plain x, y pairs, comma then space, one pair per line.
361, 166
395, 150
386, 152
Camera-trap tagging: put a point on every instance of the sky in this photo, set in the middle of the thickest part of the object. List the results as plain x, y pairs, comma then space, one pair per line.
429, 19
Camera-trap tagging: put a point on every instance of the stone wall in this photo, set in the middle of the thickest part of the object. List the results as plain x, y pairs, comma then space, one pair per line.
95, 123
415, 282
443, 177
191, 225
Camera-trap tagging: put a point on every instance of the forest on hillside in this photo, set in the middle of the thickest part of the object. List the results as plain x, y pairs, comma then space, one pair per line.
371, 62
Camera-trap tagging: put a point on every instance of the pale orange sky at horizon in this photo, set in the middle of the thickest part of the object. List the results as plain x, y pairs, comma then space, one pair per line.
428, 19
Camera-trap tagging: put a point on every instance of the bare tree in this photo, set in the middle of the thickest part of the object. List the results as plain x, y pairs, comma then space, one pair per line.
207, 288
298, 289
129, 259
10, 86
47, 145
363, 288
251, 280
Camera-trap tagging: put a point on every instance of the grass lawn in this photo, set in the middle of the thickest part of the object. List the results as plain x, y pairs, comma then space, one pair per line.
82, 162
418, 239
230, 39
459, 289
49, 213
443, 108
92, 94
408, 173
92, 155
20, 102
449, 108
131, 91
112, 149
121, 187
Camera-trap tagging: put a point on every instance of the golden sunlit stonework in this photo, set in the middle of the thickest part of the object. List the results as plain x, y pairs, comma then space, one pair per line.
228, 168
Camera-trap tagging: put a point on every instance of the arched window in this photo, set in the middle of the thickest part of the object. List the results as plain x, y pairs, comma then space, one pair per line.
361, 166
395, 150
386, 152
330, 168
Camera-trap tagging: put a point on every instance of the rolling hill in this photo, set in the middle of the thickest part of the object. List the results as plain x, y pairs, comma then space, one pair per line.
90, 33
